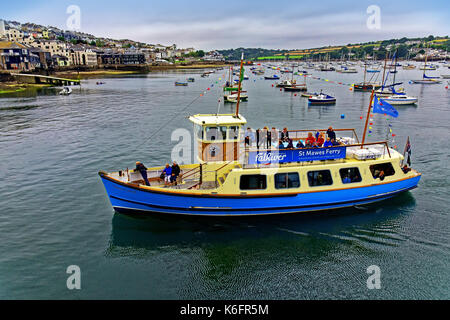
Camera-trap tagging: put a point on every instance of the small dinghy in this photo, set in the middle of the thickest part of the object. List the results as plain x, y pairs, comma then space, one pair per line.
274, 77
322, 98
190, 79
181, 84
65, 91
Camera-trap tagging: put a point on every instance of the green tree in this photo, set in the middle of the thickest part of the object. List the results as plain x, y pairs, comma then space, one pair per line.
402, 51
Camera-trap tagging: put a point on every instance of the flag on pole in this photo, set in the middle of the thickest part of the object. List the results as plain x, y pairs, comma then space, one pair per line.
381, 106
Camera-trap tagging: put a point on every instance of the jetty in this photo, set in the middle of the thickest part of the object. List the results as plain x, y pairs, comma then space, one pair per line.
41, 79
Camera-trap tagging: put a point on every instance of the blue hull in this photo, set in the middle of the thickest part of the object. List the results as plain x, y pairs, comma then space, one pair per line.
126, 198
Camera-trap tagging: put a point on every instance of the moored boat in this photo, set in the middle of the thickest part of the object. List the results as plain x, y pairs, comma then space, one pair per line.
180, 84
65, 91
322, 98
274, 77
296, 87
399, 99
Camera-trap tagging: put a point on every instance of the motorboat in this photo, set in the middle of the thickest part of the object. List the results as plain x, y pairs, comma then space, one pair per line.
65, 91
322, 98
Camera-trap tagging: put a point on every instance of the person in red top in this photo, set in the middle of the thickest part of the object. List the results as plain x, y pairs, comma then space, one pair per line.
310, 140
320, 140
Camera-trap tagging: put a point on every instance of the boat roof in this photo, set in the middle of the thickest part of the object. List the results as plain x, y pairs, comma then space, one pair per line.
217, 119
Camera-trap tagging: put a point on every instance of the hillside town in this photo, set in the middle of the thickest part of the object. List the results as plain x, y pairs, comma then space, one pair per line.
28, 47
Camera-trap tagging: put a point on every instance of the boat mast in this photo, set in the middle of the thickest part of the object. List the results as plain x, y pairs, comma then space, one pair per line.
365, 69
367, 119
425, 64
395, 67
384, 72
239, 86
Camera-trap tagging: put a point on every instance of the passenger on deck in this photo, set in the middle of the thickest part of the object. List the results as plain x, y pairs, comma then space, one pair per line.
331, 134
284, 134
327, 143
249, 137
300, 144
335, 143
310, 140
320, 140
268, 138
281, 145
290, 145
405, 169
263, 137
167, 174
143, 171
258, 137
175, 172
274, 135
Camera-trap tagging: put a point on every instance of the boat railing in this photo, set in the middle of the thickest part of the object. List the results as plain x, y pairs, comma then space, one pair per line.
381, 146
303, 134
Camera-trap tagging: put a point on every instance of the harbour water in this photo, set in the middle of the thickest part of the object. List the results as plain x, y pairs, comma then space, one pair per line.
54, 211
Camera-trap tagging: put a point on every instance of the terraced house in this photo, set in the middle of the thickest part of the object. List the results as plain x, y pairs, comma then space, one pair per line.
16, 56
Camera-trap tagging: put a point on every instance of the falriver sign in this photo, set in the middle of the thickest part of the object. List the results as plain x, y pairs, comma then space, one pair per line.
296, 155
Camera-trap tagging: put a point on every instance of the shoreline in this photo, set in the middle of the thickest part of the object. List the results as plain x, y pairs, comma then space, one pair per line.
12, 86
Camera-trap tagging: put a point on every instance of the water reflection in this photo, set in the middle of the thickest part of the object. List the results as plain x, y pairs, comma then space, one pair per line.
160, 232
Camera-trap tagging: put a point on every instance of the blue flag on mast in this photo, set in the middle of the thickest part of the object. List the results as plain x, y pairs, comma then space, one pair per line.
381, 106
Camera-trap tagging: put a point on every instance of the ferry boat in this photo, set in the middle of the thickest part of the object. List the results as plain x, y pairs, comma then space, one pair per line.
232, 178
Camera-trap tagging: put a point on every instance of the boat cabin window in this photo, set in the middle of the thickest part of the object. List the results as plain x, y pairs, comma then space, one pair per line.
233, 133
253, 182
216, 133
320, 178
382, 170
350, 175
287, 180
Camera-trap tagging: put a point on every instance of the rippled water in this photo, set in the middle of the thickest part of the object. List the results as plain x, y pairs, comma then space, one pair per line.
54, 211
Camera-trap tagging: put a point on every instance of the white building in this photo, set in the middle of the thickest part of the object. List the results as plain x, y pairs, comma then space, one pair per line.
2, 30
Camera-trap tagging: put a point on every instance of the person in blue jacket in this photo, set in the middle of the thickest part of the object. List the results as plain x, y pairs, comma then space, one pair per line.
327, 143
167, 174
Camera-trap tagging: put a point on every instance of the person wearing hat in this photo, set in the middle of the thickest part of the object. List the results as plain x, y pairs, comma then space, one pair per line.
143, 170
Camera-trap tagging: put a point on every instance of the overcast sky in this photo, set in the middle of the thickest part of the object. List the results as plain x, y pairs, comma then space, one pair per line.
230, 24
